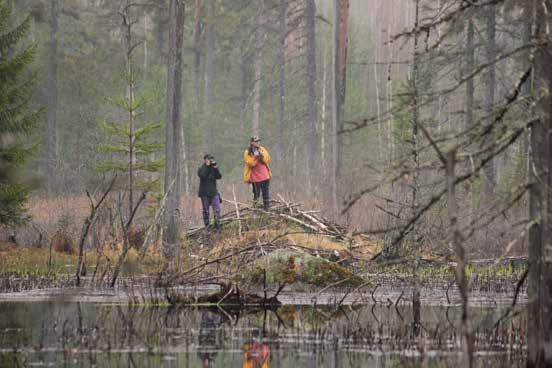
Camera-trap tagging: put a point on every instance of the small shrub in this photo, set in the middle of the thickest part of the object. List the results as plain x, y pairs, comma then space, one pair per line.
62, 243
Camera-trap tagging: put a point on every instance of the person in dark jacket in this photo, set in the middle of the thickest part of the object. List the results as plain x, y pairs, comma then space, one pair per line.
208, 174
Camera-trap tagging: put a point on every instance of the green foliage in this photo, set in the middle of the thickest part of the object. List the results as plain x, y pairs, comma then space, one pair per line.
124, 138
17, 117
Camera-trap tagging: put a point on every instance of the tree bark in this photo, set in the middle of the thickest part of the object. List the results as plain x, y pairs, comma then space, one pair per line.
282, 78
460, 270
311, 91
244, 73
127, 34
490, 83
389, 89
529, 17
414, 109
339, 52
324, 113
539, 323
335, 107
197, 48
470, 62
173, 136
52, 100
209, 74
378, 105
259, 41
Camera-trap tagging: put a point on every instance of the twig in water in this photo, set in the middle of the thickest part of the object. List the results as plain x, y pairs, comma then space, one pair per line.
514, 301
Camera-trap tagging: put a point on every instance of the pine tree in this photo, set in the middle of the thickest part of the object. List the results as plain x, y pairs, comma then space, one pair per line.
17, 116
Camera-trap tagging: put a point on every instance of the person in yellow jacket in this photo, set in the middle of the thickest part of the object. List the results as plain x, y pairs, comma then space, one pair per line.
257, 170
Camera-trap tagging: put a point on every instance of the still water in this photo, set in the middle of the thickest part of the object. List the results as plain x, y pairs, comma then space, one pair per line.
74, 334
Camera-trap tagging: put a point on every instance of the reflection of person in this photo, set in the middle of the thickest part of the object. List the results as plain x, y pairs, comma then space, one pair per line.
255, 355
208, 175
257, 170
208, 342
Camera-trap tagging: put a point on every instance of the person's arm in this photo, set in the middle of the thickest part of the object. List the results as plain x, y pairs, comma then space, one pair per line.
218, 175
249, 160
203, 172
265, 156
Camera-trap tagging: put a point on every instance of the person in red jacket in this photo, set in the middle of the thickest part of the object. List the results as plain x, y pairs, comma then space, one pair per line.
257, 170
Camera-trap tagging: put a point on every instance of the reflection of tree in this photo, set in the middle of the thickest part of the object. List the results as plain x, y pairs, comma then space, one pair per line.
208, 342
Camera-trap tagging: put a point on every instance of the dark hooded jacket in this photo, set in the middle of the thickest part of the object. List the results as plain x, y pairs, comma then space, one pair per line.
208, 177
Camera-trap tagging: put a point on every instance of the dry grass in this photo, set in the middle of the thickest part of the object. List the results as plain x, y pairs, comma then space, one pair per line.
29, 260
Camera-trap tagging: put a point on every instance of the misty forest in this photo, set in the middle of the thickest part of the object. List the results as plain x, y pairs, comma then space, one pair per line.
276, 183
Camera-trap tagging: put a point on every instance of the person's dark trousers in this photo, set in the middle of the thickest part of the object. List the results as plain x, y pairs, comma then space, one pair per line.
206, 203
262, 187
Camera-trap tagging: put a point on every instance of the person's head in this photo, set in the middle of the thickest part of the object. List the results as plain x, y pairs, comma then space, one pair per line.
255, 141
207, 159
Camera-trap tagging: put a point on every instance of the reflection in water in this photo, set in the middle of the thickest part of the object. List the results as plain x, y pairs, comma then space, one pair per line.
208, 342
256, 355
93, 335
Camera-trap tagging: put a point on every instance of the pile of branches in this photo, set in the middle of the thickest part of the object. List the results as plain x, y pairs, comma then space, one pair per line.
310, 221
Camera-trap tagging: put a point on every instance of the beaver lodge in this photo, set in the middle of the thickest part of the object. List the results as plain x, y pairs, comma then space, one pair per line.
285, 248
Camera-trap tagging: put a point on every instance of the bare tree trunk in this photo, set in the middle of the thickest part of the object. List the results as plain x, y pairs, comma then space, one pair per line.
540, 268
146, 50
197, 48
414, 109
282, 78
160, 28
539, 323
460, 270
470, 62
324, 114
529, 17
209, 74
490, 82
389, 93
244, 88
52, 101
335, 108
259, 41
339, 51
185, 176
173, 137
311, 90
127, 32
378, 105
129, 46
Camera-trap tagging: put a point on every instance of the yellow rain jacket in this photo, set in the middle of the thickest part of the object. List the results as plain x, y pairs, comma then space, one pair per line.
250, 161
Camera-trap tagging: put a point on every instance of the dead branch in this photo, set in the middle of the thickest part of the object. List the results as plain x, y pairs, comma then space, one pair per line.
87, 224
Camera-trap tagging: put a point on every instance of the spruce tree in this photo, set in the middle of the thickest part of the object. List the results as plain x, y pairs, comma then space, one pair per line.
17, 116
131, 145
